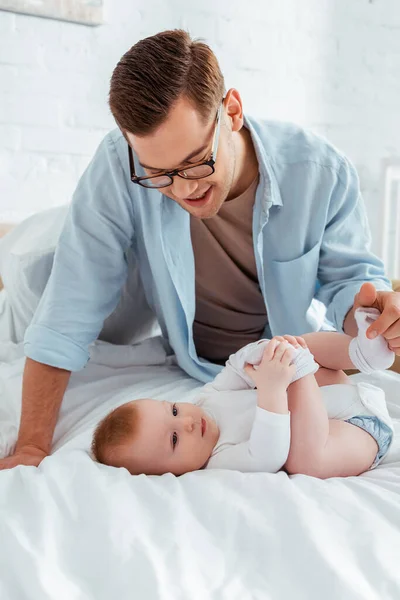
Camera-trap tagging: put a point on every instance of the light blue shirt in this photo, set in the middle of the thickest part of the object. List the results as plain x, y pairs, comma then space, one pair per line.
310, 233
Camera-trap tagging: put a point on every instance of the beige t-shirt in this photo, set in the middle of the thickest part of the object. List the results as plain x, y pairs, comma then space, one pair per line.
230, 310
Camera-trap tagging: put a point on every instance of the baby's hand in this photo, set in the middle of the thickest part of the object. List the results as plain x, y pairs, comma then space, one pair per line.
274, 370
294, 340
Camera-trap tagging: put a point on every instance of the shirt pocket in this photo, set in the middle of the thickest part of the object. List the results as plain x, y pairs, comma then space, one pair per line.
299, 277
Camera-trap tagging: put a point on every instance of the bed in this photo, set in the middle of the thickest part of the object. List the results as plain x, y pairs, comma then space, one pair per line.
76, 530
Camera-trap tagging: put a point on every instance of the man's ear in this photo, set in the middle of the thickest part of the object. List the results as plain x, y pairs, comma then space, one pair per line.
234, 109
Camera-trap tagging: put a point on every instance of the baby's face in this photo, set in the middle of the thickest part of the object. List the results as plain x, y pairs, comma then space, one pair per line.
169, 438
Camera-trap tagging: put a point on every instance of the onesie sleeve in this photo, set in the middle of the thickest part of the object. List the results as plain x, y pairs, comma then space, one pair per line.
266, 450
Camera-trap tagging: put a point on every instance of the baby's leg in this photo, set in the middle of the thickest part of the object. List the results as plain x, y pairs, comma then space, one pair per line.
349, 451
326, 376
321, 447
339, 351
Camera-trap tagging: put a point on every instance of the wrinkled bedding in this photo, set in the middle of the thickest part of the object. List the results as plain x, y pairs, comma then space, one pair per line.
76, 530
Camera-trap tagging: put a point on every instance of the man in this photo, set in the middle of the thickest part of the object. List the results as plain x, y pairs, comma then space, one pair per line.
240, 229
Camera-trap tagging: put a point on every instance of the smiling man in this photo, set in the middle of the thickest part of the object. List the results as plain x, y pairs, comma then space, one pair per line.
240, 228
198, 187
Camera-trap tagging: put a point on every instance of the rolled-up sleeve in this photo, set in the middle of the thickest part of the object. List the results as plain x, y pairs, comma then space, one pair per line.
89, 267
346, 261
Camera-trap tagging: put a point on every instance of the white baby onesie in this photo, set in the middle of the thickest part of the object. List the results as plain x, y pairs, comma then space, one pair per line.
254, 439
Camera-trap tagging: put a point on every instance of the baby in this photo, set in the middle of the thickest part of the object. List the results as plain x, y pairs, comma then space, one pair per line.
298, 419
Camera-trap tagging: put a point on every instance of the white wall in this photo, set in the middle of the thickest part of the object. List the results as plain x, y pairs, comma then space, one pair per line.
332, 65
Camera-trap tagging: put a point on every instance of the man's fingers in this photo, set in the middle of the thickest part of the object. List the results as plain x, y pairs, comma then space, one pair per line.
366, 296
387, 324
395, 349
8, 463
22, 458
393, 332
394, 345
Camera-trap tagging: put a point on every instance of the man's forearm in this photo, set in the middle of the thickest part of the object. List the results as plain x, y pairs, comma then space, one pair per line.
43, 389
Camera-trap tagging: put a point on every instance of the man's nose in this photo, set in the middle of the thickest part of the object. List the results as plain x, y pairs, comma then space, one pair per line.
183, 188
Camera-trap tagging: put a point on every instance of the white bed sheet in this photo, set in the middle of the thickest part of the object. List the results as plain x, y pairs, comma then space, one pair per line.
76, 530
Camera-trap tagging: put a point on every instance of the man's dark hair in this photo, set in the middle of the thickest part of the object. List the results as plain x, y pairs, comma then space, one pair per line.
158, 70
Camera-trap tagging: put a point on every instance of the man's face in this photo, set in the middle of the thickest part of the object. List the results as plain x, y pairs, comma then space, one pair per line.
184, 139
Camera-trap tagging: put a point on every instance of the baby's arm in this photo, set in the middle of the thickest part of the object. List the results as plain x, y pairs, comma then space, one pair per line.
268, 446
321, 447
266, 450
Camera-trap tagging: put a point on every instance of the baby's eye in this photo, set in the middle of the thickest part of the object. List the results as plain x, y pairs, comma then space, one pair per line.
174, 439
174, 410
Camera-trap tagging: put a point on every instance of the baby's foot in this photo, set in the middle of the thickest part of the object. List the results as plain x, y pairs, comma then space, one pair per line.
276, 368
301, 357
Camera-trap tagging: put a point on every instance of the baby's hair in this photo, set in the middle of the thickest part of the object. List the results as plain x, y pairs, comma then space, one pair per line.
116, 428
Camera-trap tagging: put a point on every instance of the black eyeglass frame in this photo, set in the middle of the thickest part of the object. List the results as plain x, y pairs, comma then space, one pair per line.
180, 172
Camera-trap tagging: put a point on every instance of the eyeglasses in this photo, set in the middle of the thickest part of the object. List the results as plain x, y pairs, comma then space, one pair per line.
198, 171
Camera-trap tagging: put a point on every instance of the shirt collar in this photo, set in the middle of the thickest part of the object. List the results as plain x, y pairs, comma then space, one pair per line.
271, 193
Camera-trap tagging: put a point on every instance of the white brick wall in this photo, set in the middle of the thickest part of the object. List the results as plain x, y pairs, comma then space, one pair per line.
331, 65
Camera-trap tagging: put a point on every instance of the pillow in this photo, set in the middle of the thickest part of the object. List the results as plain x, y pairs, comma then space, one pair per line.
26, 260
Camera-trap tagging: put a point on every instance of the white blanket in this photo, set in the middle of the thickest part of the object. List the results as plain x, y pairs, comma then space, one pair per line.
76, 530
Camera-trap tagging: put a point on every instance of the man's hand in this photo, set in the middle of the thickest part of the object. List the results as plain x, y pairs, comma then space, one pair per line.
28, 456
388, 303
